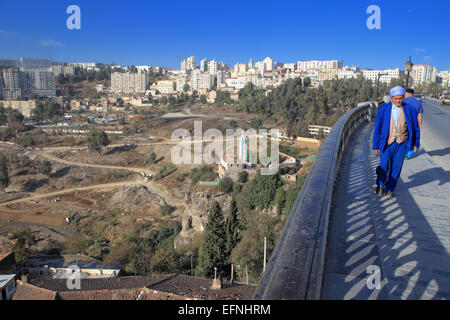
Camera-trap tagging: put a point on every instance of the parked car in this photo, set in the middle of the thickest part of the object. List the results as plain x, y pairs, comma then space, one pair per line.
445, 100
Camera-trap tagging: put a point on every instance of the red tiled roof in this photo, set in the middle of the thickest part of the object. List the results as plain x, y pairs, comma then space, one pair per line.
26, 291
200, 288
4, 255
161, 287
91, 284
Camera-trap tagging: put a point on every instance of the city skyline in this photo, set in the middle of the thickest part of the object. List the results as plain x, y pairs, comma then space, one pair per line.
287, 33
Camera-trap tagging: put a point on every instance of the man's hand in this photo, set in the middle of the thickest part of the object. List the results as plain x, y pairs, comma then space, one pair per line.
377, 151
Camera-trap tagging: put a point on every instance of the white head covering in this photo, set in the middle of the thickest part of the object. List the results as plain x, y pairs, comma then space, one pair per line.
397, 91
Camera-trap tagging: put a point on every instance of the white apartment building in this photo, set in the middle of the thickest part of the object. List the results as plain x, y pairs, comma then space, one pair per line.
64, 70
348, 73
319, 65
206, 81
269, 64
254, 78
194, 82
204, 65
166, 86
182, 80
43, 83
260, 66
240, 69
12, 89
129, 82
147, 69
423, 74
444, 78
236, 82
83, 65
221, 75
213, 67
188, 63
389, 75
290, 66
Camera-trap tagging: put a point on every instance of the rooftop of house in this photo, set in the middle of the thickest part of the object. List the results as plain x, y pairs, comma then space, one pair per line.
26, 291
180, 285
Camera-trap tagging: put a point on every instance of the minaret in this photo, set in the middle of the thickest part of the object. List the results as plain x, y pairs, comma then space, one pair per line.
243, 148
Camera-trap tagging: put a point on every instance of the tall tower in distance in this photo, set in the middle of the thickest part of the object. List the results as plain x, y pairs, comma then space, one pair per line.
243, 149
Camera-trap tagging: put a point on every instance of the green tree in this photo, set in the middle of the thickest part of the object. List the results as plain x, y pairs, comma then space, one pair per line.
3, 115
152, 157
280, 200
203, 99
97, 139
25, 140
164, 261
15, 120
243, 176
226, 185
24, 238
4, 177
231, 229
211, 252
45, 167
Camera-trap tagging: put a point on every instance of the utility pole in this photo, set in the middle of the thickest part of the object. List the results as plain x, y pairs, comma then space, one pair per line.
246, 273
192, 270
265, 246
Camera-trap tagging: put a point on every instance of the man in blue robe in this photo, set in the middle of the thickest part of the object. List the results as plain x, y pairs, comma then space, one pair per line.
416, 106
396, 131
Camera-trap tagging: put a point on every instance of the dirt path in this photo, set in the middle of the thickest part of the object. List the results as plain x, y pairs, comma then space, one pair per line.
31, 216
80, 164
57, 193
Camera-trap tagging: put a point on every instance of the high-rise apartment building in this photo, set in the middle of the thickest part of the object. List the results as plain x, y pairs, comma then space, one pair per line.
188, 63
319, 65
423, 74
12, 89
213, 67
129, 82
270, 65
166, 86
182, 80
387, 77
43, 83
64, 70
204, 65
444, 77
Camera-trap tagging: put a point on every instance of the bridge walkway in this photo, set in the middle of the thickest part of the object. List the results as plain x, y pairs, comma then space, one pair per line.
407, 237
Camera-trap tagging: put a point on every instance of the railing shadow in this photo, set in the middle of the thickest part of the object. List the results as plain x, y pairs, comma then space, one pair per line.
392, 234
440, 152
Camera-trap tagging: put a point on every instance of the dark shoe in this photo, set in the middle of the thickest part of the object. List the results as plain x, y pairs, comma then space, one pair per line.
377, 189
380, 190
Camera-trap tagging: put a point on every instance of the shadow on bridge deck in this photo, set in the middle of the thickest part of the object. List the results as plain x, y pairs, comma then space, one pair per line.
406, 237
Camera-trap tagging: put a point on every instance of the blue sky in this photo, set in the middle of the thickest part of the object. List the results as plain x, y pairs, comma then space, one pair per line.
162, 32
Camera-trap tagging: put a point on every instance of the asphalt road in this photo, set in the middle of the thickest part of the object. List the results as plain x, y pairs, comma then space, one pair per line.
435, 136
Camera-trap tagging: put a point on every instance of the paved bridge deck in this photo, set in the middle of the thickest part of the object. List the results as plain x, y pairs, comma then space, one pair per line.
407, 237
